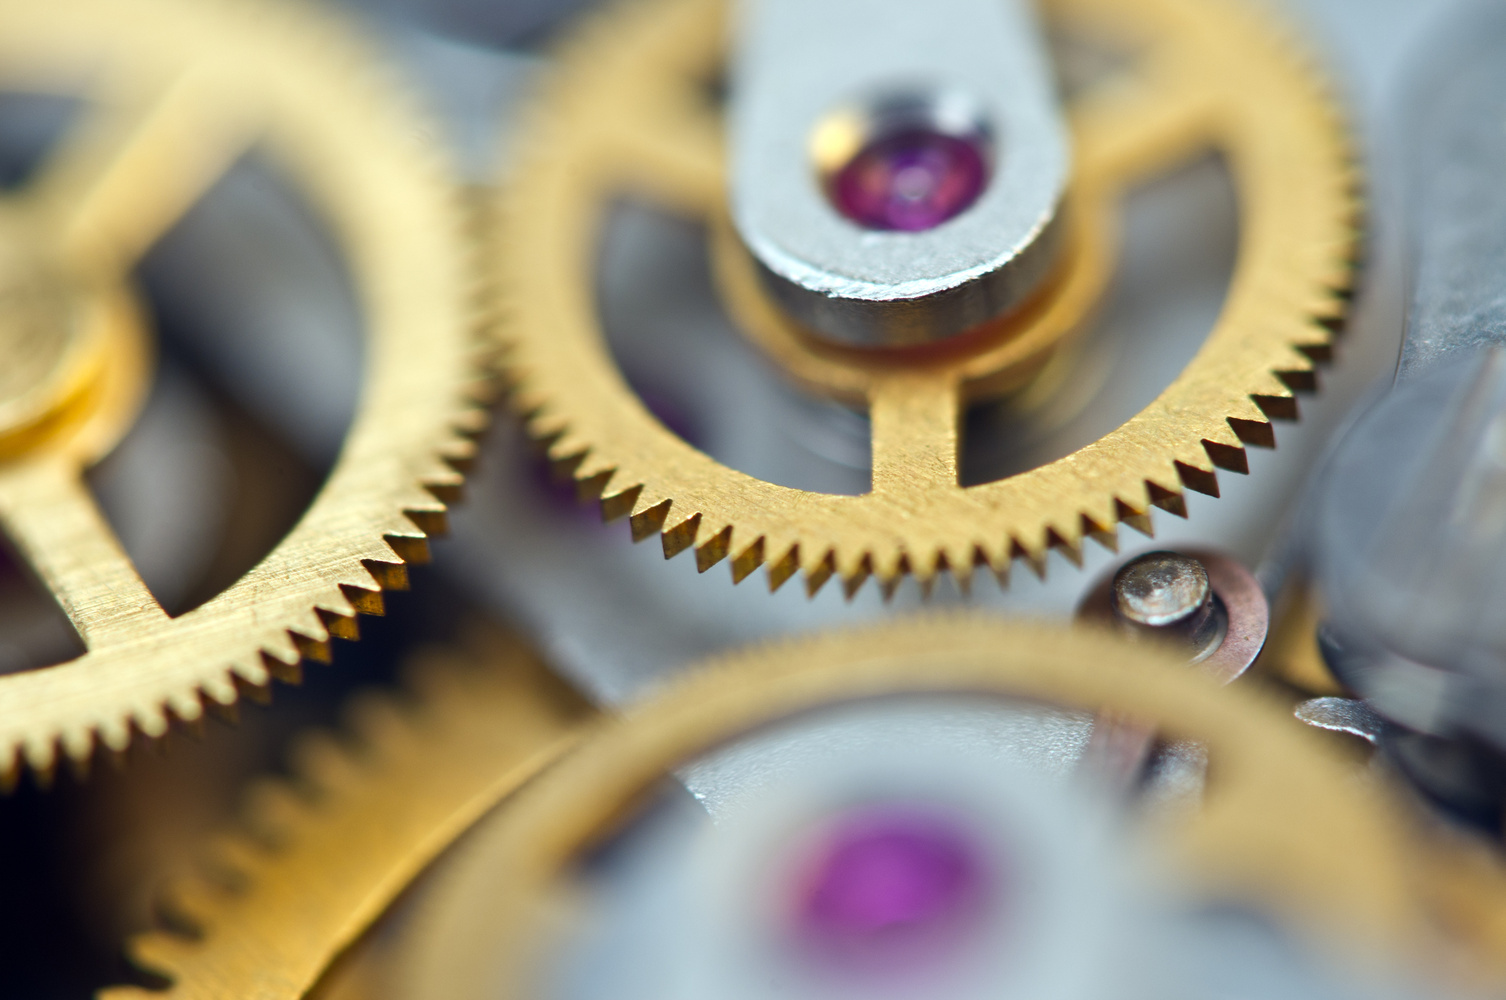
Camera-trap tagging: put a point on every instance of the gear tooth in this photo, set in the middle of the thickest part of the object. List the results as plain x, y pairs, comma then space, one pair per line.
1321, 353
531, 406
1254, 433
621, 503
431, 520
115, 734
1101, 531
154, 952
257, 671
781, 569
460, 451
152, 721
340, 623
927, 586
309, 648
365, 599
472, 422
1195, 478
1170, 501
749, 559
260, 694
1136, 517
1277, 405
186, 707
271, 812
996, 560
681, 536
379, 722
322, 761
648, 522
410, 547
565, 454
590, 485
962, 574
888, 588
1299, 379
131, 992
387, 574
818, 572
855, 574
10, 769
1231, 458
220, 690
228, 862
184, 906
1034, 558
445, 487
78, 750
714, 550
885, 565
546, 428
41, 756
1068, 546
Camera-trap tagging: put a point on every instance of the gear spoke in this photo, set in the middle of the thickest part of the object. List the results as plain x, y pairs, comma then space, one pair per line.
135, 164
1132, 130
674, 157
914, 420
51, 517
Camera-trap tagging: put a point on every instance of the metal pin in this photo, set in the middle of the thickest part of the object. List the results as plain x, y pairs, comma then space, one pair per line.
1168, 594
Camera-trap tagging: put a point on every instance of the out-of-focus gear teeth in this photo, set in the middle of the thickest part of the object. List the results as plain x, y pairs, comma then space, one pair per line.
616, 117
344, 133
362, 816
487, 734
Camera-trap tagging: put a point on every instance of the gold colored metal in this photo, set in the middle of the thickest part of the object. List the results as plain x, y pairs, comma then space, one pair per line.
174, 92
318, 861
626, 114
1286, 821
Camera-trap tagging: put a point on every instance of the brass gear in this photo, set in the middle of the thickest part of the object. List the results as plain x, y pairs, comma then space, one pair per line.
175, 91
1287, 822
626, 113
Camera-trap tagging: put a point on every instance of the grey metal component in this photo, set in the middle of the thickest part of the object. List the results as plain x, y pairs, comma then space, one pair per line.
971, 63
1343, 715
1456, 145
1167, 593
1410, 520
1410, 536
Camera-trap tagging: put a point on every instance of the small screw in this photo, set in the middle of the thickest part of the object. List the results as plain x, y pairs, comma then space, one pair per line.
1168, 594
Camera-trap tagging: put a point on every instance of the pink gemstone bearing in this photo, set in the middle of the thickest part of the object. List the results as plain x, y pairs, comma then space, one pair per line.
887, 885
910, 181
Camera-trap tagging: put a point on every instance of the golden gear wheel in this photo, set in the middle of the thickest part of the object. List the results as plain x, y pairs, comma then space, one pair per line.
175, 91
1286, 821
627, 114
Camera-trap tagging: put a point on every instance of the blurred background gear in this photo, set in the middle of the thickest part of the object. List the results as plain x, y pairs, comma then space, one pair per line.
1405, 524
203, 486
1309, 872
165, 114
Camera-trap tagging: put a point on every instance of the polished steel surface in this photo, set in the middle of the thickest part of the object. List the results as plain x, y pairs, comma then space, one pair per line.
804, 71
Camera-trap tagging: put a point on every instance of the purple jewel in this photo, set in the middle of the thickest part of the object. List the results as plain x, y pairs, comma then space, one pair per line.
890, 884
910, 181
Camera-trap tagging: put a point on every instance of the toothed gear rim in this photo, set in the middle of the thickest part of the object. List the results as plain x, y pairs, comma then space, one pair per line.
484, 747
623, 114
359, 152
